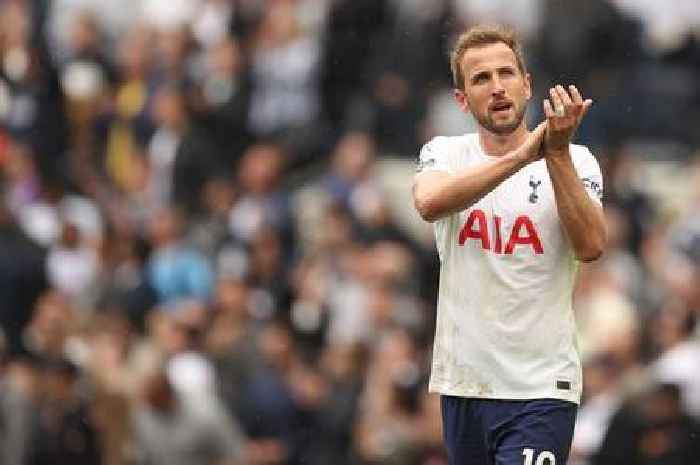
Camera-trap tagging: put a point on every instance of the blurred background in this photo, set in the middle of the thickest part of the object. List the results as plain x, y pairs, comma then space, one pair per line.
209, 254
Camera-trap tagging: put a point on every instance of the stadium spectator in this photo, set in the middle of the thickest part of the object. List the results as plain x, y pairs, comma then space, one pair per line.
171, 432
64, 429
175, 271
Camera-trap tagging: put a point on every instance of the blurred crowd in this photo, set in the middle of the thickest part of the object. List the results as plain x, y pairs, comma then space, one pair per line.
208, 253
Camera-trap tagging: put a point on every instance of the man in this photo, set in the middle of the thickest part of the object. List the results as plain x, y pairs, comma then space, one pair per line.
513, 212
170, 430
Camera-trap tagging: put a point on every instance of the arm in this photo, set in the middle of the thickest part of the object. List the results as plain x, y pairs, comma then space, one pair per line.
437, 194
582, 218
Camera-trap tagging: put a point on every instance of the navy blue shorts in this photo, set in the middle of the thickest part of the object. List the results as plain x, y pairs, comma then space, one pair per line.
501, 432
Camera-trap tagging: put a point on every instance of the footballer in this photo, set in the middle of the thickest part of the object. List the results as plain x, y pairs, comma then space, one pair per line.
514, 212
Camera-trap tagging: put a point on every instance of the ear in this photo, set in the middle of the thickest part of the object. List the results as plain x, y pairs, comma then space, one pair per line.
528, 86
461, 99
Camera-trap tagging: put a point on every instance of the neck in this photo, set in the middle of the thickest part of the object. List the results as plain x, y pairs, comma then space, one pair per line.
499, 144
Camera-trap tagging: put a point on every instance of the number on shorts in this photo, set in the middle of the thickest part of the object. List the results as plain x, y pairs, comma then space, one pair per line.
544, 458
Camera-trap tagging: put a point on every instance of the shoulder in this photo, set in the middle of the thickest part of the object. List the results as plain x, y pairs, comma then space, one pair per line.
588, 170
583, 159
581, 154
450, 142
440, 153
442, 147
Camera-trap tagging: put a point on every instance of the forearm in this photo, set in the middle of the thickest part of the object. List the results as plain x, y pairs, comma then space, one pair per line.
439, 198
580, 216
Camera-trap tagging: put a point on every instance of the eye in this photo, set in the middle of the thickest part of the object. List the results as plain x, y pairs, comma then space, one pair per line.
480, 78
506, 72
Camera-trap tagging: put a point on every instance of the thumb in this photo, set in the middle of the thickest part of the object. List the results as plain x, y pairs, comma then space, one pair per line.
538, 132
537, 135
533, 143
586, 106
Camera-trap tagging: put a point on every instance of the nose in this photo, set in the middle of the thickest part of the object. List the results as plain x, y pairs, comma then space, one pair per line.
497, 89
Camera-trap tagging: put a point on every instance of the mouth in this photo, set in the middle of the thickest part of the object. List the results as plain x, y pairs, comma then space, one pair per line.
501, 107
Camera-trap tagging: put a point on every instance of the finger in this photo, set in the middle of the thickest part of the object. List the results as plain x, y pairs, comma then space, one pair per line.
557, 104
549, 112
576, 96
586, 106
565, 98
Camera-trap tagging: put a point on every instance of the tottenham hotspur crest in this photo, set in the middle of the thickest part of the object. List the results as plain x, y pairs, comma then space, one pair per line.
534, 185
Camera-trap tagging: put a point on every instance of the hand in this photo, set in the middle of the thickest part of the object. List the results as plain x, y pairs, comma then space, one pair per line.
564, 114
531, 149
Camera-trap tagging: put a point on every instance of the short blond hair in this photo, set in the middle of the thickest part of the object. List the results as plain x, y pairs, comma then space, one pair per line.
478, 36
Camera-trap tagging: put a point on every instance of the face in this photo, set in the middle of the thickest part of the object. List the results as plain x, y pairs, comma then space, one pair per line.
495, 90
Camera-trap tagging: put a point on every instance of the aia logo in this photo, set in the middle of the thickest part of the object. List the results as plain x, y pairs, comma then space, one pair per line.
523, 233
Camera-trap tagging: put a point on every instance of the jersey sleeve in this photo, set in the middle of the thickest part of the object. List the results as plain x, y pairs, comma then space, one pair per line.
589, 172
433, 156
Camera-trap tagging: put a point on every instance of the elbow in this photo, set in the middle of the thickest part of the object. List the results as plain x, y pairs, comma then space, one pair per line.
593, 250
426, 209
589, 255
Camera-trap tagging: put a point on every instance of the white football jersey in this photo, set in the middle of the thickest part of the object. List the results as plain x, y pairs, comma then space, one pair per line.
505, 324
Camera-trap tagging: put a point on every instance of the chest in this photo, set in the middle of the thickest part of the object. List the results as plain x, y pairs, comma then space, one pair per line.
528, 192
519, 215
